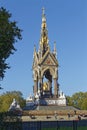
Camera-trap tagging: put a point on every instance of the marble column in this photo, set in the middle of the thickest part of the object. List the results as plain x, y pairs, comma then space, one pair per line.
35, 87
55, 88
41, 86
50, 87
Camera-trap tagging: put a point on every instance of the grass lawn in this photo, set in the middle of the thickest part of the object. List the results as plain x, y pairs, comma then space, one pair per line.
62, 128
66, 128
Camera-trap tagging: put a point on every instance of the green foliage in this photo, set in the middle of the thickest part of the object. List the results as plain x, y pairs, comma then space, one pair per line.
78, 100
7, 98
9, 34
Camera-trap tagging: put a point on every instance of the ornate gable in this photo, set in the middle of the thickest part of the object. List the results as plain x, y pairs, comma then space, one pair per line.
49, 60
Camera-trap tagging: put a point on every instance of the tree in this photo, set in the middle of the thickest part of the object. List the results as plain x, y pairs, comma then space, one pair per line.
84, 104
7, 98
78, 100
69, 101
9, 34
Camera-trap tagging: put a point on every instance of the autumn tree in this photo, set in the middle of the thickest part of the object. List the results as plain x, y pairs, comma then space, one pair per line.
9, 35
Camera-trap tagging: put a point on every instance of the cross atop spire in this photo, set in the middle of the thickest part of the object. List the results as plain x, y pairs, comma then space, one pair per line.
43, 10
43, 15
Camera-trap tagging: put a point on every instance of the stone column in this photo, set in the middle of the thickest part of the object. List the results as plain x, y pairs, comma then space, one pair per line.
35, 87
50, 87
55, 88
41, 86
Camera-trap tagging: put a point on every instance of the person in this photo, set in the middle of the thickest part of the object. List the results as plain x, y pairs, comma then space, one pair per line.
55, 115
79, 118
75, 112
68, 115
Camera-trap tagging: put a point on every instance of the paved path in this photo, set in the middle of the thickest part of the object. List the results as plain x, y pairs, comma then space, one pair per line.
48, 118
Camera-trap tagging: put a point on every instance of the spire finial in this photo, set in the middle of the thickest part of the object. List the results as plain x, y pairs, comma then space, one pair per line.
43, 10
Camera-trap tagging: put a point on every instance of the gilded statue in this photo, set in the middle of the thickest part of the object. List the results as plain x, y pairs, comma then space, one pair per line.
45, 86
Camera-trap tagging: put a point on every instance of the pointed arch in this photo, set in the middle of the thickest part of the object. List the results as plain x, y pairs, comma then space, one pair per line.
47, 68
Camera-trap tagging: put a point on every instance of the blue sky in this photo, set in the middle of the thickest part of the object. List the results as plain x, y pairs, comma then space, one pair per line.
67, 25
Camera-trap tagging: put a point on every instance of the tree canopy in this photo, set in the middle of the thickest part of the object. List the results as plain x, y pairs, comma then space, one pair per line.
78, 100
9, 34
7, 98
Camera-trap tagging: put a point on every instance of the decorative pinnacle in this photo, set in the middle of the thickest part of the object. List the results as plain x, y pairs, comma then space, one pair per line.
34, 48
55, 52
55, 45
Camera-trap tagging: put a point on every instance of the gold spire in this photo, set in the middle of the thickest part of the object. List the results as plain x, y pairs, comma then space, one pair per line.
44, 34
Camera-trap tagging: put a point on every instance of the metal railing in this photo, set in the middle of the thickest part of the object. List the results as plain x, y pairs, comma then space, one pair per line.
44, 125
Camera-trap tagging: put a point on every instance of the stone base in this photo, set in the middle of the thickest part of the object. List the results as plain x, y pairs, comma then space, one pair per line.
53, 101
48, 101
